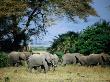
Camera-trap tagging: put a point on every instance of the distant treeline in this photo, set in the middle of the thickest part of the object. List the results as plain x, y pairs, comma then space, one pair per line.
39, 48
93, 39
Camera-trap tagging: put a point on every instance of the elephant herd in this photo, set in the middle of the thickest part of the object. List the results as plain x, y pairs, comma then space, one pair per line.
90, 60
46, 60
34, 60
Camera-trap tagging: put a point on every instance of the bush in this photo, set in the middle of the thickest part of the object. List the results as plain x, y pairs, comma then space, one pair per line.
94, 39
3, 59
59, 54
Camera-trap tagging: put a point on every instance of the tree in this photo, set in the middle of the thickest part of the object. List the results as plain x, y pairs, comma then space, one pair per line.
40, 12
64, 42
94, 39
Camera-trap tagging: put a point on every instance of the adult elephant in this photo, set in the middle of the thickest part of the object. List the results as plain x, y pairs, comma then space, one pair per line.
93, 59
83, 60
50, 59
104, 59
69, 58
36, 60
55, 59
27, 54
15, 58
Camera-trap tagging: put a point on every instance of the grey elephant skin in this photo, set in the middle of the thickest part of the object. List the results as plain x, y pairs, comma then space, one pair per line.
50, 59
15, 58
37, 60
27, 54
55, 59
93, 59
69, 58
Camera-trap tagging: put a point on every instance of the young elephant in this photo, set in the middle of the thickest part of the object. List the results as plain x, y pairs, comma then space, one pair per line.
70, 58
35, 61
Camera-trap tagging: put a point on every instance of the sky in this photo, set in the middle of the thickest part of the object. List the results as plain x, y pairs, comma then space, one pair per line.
102, 7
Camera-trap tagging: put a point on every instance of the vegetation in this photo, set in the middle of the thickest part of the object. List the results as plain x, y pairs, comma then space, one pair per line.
41, 13
59, 54
4, 62
93, 39
39, 48
64, 42
62, 74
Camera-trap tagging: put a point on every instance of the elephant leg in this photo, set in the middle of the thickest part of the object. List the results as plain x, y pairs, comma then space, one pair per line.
42, 67
16, 64
20, 63
13, 64
53, 68
49, 68
35, 67
45, 67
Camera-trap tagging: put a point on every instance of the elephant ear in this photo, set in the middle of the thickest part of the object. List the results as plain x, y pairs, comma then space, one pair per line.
103, 59
47, 62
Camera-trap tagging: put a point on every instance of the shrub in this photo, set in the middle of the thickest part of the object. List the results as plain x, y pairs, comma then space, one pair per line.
59, 54
94, 39
3, 59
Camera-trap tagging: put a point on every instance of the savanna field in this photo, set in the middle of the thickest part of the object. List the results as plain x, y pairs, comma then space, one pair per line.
47, 33
69, 73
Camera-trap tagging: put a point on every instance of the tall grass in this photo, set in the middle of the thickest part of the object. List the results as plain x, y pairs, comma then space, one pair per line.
70, 73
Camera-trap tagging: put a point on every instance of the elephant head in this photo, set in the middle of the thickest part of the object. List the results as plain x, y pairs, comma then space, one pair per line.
106, 61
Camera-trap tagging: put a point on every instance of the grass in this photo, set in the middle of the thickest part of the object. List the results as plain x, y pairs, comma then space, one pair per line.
70, 73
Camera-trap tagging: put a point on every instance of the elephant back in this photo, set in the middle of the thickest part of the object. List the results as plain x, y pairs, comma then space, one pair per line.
98, 58
13, 55
69, 58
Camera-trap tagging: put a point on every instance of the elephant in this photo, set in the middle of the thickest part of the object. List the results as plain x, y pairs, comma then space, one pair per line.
83, 60
105, 59
93, 59
15, 58
69, 58
99, 59
36, 60
51, 60
27, 54
55, 59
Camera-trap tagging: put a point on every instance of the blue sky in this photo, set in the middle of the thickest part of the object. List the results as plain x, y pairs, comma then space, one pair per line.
62, 26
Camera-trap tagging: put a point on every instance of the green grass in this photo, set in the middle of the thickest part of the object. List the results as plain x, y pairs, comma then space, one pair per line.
70, 73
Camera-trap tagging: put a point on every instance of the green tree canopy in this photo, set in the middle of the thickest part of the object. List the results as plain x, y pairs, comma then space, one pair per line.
64, 42
94, 39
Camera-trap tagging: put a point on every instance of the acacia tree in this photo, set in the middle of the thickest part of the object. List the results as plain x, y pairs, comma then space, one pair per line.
41, 13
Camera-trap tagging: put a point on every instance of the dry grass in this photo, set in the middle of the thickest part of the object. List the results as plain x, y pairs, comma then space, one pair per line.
69, 73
